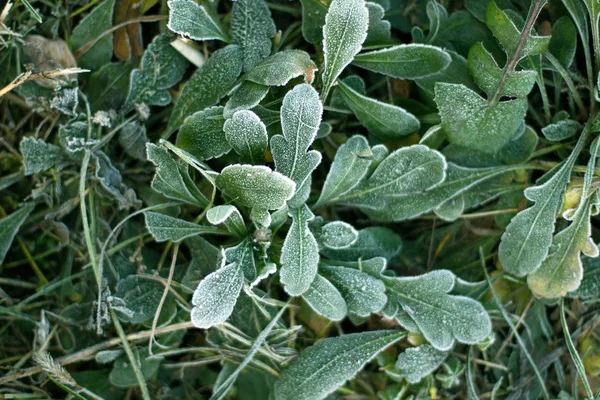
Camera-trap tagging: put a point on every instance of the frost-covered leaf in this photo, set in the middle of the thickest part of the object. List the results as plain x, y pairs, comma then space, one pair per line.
90, 29
456, 72
191, 20
255, 186
163, 227
216, 296
300, 254
375, 241
140, 297
243, 255
108, 87
245, 97
123, 375
38, 156
487, 75
561, 130
344, 32
415, 363
10, 225
172, 178
133, 139
379, 29
440, 316
313, 19
252, 29
229, 216
405, 61
325, 299
300, 118
386, 121
363, 293
202, 134
111, 181
247, 135
470, 121
325, 366
281, 67
338, 235
208, 85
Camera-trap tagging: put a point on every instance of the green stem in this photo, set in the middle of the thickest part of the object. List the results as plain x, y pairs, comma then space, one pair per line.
565, 75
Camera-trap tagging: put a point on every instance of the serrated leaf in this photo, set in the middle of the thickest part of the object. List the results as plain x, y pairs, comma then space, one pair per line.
363, 294
245, 97
191, 20
313, 19
247, 135
338, 235
172, 178
487, 75
325, 366
379, 29
299, 254
415, 363
255, 186
345, 30
38, 156
281, 67
243, 256
229, 216
252, 29
470, 121
300, 118
325, 299
10, 225
375, 241
89, 30
386, 121
208, 85
133, 139
405, 61
440, 316
202, 134
163, 227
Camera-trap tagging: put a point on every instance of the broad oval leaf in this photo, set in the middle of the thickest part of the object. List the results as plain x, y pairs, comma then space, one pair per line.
247, 135
191, 20
338, 235
281, 67
325, 299
202, 134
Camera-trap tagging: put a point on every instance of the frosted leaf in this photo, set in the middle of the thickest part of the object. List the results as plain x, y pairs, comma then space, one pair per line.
300, 254
123, 376
418, 362
255, 186
245, 97
451, 209
89, 29
140, 296
300, 118
441, 317
561, 130
372, 242
216, 295
590, 285
38, 156
111, 181
364, 294
202, 134
205, 257
163, 227
386, 121
10, 225
260, 217
456, 72
281, 67
191, 20
379, 29
247, 135
325, 299
243, 256
208, 85
313, 19
338, 235
229, 216
66, 101
263, 271
133, 139
405, 61
172, 178
330, 363
344, 32
252, 28
107, 356
487, 75
470, 121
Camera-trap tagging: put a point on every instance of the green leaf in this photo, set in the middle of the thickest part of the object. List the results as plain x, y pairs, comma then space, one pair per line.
363, 294
111, 181
163, 227
243, 256
325, 299
202, 134
441, 317
208, 85
90, 29
281, 67
123, 376
325, 366
418, 362
10, 225
379, 29
488, 75
371, 242
313, 19
405, 61
561, 130
580, 18
507, 33
300, 118
133, 139
300, 254
386, 121
191, 20
563, 44
140, 297
245, 97
107, 88
338, 235
468, 120
216, 296
229, 216
256, 186
252, 29
344, 32
172, 178
38, 156
456, 72
247, 135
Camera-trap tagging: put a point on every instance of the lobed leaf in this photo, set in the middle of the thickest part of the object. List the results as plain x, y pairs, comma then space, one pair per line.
415, 363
